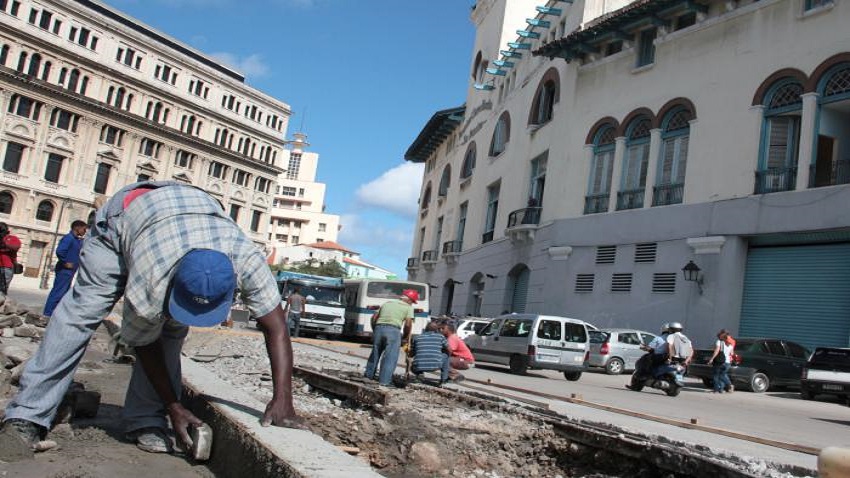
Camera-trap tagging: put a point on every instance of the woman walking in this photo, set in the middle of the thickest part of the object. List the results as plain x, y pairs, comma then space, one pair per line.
721, 360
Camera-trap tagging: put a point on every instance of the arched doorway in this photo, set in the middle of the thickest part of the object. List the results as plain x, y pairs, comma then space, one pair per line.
518, 288
476, 295
448, 296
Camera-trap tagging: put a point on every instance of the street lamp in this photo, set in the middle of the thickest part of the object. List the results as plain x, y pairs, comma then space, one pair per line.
691, 274
46, 271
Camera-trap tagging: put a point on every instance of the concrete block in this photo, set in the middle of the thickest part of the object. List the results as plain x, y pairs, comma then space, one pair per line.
26, 330
10, 321
16, 353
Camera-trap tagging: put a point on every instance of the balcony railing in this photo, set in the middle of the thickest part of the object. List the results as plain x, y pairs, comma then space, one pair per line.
452, 247
775, 180
412, 262
833, 175
429, 256
487, 237
596, 203
525, 216
630, 199
667, 194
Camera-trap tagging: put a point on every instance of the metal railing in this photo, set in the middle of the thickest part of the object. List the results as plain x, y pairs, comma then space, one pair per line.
837, 173
775, 180
524, 216
430, 256
487, 237
666, 194
596, 203
630, 199
412, 262
452, 247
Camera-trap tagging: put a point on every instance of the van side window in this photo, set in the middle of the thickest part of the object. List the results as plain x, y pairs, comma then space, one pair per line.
516, 328
491, 328
549, 330
575, 332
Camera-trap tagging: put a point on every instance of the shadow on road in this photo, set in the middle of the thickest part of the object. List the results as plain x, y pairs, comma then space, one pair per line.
496, 368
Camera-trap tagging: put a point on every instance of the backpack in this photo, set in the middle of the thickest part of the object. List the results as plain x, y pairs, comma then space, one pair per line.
682, 347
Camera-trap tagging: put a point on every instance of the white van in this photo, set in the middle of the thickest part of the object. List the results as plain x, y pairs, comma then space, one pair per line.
524, 341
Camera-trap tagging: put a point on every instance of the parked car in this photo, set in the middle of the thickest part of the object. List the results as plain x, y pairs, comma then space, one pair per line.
524, 341
758, 365
827, 373
617, 350
471, 326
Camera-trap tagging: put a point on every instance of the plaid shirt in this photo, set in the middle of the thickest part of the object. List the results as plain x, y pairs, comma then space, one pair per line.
161, 226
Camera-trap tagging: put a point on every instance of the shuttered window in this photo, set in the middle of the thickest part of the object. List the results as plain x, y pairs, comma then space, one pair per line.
664, 282
783, 136
519, 294
584, 282
606, 254
645, 253
674, 160
621, 282
601, 170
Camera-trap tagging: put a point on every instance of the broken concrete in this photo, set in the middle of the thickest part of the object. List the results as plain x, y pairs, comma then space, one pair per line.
28, 330
16, 353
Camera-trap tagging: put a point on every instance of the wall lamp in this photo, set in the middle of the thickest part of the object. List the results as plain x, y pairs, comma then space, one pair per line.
456, 282
490, 276
433, 286
691, 274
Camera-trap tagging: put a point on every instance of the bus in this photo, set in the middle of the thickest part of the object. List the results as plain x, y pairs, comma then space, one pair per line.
363, 297
324, 312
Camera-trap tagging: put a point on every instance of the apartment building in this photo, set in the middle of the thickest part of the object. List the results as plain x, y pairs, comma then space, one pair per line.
92, 100
636, 162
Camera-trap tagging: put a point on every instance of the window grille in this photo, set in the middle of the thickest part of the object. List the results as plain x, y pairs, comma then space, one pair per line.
787, 95
664, 282
584, 282
606, 254
838, 83
621, 282
645, 253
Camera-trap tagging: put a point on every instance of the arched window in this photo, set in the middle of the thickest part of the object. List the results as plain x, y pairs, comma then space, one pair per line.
673, 160
518, 288
63, 73
223, 139
445, 182
44, 211
501, 135
830, 168
22, 61
635, 163
84, 85
426, 197
74, 79
35, 64
448, 296
119, 95
545, 97
468, 161
109, 92
601, 169
157, 111
45, 72
7, 201
780, 137
148, 110
129, 102
479, 68
4, 55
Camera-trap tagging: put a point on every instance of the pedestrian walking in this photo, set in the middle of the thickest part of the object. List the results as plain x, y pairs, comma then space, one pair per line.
9, 246
391, 326
176, 257
295, 307
460, 357
721, 360
68, 253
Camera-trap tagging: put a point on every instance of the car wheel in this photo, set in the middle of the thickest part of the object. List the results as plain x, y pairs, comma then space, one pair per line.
572, 376
519, 365
614, 367
709, 383
806, 395
759, 382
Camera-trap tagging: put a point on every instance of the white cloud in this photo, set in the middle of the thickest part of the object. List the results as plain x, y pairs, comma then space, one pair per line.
380, 244
251, 66
397, 190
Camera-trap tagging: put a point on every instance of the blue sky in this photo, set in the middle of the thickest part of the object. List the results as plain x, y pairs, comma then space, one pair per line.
368, 73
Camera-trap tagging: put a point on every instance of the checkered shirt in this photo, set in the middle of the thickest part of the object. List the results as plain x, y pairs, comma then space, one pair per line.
157, 230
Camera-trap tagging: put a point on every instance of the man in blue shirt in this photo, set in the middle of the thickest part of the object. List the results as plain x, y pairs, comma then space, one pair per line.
68, 253
430, 352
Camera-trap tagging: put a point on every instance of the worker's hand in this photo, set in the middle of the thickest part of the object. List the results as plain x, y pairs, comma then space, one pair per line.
282, 414
181, 420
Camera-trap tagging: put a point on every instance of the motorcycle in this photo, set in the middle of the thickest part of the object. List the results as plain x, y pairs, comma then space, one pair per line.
666, 377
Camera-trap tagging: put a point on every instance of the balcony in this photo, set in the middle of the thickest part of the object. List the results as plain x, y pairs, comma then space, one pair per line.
775, 180
830, 174
596, 203
451, 250
522, 223
667, 194
429, 259
630, 199
412, 263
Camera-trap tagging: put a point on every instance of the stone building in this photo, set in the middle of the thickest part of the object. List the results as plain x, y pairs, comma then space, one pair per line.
633, 163
92, 99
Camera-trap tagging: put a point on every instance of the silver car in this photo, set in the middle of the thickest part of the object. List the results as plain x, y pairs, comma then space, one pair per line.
617, 350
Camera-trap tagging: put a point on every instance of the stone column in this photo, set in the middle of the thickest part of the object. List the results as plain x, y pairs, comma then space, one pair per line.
652, 165
806, 156
616, 177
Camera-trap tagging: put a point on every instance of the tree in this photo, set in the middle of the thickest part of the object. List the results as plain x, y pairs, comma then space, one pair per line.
315, 267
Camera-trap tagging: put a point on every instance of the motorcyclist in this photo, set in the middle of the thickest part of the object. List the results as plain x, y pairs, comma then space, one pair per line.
657, 353
679, 345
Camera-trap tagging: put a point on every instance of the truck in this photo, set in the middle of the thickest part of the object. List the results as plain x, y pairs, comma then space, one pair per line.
324, 312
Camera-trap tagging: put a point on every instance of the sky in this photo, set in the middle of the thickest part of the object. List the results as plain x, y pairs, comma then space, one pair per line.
364, 76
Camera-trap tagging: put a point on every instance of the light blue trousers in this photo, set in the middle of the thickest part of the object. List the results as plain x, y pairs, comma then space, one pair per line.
100, 283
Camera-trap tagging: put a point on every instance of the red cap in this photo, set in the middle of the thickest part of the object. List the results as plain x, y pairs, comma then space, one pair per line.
12, 242
411, 294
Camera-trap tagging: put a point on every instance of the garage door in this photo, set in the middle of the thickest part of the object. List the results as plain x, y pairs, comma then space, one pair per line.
519, 294
799, 293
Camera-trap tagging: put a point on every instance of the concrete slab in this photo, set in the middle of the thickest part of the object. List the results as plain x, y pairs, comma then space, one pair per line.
274, 451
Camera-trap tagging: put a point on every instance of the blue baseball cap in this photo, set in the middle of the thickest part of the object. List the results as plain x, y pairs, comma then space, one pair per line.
202, 288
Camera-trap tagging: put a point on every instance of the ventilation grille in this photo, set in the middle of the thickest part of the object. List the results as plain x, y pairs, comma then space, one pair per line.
584, 282
606, 254
621, 282
664, 282
645, 253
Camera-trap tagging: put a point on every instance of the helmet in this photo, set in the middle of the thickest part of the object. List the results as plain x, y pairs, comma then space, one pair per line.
665, 328
676, 327
411, 294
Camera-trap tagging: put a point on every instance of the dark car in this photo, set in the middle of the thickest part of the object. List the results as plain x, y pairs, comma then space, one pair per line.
827, 373
758, 365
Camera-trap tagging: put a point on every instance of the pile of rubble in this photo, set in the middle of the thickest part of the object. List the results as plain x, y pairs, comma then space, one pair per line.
19, 321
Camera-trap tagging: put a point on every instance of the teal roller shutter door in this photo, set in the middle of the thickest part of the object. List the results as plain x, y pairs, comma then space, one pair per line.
519, 295
799, 293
